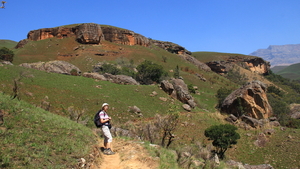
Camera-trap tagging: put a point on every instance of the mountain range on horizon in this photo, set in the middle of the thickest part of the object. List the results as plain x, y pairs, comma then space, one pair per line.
280, 54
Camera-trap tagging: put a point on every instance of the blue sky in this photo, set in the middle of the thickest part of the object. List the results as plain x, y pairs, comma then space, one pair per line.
233, 26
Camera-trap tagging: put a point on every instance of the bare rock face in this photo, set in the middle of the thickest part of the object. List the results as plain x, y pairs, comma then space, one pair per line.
55, 66
123, 36
89, 33
21, 43
250, 100
254, 64
220, 67
167, 87
258, 65
121, 79
45, 33
171, 47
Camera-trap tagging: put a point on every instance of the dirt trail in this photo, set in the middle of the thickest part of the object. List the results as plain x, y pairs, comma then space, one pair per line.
129, 155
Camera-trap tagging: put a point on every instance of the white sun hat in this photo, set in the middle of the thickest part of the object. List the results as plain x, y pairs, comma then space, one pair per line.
105, 104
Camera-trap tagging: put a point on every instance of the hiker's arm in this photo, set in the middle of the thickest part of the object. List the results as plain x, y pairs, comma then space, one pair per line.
104, 120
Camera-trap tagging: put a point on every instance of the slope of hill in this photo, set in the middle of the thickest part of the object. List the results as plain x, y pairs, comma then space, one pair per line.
280, 54
276, 69
31, 137
291, 72
78, 96
7, 43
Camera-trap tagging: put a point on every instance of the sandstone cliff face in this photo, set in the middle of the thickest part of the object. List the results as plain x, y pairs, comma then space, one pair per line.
250, 100
258, 65
87, 33
123, 36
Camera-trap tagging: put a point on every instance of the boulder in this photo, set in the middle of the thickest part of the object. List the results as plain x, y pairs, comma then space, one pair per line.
121, 79
250, 100
295, 115
251, 121
94, 76
231, 118
167, 87
56, 66
89, 33
274, 123
182, 91
6, 62
186, 107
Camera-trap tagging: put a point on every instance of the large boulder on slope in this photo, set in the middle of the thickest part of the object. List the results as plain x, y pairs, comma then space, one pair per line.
250, 100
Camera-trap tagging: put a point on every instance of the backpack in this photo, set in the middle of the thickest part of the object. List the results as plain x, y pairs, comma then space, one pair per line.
97, 120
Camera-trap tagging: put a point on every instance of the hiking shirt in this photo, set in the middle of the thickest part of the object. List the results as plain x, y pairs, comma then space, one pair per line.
103, 115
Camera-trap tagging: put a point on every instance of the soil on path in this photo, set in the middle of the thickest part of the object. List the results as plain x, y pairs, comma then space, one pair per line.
129, 155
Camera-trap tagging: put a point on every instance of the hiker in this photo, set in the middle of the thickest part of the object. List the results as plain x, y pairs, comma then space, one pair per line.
105, 120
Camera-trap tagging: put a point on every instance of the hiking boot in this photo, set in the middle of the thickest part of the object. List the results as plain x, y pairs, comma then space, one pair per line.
109, 152
105, 151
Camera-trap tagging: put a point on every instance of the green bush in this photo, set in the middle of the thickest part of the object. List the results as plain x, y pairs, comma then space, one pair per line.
191, 88
222, 93
6, 54
223, 137
149, 72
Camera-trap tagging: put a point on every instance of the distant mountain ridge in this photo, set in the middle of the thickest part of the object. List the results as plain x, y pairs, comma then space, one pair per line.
291, 72
280, 54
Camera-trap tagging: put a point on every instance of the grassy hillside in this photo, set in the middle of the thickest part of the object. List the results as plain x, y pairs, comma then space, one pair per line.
31, 137
70, 95
7, 43
216, 56
276, 69
291, 72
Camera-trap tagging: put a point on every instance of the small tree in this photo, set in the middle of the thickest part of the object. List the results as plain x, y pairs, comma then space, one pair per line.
176, 72
149, 72
223, 137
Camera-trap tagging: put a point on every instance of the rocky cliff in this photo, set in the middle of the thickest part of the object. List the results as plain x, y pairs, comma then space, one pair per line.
250, 100
254, 64
124, 36
88, 33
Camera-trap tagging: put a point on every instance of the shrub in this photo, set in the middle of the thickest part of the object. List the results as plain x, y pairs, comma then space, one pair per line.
6, 54
176, 72
191, 88
223, 137
149, 72
222, 93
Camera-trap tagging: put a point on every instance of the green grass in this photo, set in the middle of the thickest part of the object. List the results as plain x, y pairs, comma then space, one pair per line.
8, 43
282, 150
216, 56
33, 138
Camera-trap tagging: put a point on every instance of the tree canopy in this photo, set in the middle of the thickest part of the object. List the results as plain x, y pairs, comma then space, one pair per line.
6, 54
223, 136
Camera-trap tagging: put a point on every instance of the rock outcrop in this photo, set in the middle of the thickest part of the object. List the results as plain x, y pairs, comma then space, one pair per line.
195, 61
87, 33
258, 65
124, 36
55, 66
254, 64
171, 47
94, 76
250, 100
179, 90
121, 79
